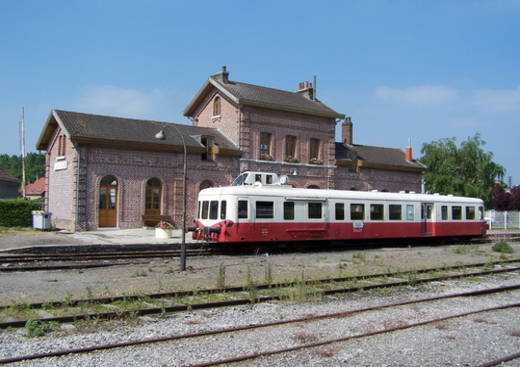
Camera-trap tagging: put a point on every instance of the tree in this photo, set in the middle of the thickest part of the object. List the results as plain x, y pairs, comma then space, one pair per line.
501, 198
34, 165
466, 170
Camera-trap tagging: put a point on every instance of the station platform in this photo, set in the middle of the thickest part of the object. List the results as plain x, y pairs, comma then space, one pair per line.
99, 240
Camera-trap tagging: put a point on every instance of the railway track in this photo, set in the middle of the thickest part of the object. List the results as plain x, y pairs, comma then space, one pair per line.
19, 262
334, 318
167, 302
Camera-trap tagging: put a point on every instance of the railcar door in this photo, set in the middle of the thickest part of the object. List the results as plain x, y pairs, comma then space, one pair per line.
426, 219
243, 219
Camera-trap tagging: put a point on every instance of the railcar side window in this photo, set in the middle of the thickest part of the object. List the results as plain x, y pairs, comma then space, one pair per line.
242, 209
481, 212
314, 210
410, 213
456, 212
269, 179
264, 209
377, 212
205, 209
394, 212
470, 212
340, 211
444, 212
288, 210
213, 209
357, 211
223, 207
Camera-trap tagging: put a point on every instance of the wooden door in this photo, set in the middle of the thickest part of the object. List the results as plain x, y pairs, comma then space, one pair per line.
153, 197
108, 203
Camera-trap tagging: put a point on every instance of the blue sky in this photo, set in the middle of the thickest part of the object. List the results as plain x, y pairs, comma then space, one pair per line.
419, 70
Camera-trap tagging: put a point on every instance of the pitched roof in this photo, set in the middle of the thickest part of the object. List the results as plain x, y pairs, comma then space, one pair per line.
86, 127
36, 188
5, 175
367, 155
255, 95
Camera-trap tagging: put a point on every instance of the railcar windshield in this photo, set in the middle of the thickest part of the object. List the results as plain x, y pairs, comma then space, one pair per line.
239, 181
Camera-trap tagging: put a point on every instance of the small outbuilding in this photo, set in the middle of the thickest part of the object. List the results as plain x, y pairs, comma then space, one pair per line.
9, 185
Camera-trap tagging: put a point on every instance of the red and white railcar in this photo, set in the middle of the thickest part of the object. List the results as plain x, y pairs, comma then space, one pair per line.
260, 211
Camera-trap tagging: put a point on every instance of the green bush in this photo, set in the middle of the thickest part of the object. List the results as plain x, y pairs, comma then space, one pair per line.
17, 212
502, 247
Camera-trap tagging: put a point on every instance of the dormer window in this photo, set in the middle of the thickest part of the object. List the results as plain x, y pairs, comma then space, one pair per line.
216, 106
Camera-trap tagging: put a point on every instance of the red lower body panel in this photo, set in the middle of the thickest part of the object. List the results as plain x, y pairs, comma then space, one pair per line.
266, 232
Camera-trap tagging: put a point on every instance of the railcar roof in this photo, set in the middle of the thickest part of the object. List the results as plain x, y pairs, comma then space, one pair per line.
299, 193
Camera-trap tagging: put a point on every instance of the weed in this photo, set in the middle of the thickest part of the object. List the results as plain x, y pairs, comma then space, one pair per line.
221, 279
139, 273
49, 305
327, 352
358, 257
304, 338
503, 247
412, 278
268, 275
37, 328
461, 250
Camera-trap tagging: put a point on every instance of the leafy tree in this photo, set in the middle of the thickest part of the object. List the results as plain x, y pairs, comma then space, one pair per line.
466, 170
34, 165
515, 198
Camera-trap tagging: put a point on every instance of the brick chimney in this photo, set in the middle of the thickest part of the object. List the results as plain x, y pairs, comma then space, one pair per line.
306, 89
408, 154
222, 76
346, 131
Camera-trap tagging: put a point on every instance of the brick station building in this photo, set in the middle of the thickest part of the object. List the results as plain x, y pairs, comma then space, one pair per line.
105, 171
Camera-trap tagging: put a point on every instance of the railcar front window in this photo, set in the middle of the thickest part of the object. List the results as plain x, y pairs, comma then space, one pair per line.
357, 211
205, 209
456, 212
242, 209
223, 207
470, 212
213, 209
377, 212
340, 211
264, 209
394, 212
288, 210
198, 210
481, 212
314, 210
444, 212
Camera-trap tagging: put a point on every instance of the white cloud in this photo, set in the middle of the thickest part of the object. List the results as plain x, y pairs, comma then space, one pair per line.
425, 94
114, 100
497, 100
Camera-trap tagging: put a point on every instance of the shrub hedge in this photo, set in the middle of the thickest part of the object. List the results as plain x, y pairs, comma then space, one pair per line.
17, 212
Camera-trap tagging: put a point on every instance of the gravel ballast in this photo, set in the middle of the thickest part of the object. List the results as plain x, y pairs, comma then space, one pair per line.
465, 341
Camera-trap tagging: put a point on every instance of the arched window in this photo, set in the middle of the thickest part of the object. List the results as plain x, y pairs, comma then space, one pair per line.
216, 106
353, 189
313, 187
108, 202
153, 197
205, 184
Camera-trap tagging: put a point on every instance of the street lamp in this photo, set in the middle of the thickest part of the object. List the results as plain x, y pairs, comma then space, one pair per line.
162, 136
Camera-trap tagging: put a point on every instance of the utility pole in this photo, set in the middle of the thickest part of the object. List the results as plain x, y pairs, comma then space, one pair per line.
22, 148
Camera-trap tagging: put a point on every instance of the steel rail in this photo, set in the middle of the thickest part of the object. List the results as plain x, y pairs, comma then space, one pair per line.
500, 360
179, 294
268, 324
60, 267
237, 302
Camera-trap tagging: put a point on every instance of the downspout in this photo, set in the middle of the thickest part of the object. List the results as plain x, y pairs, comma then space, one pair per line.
78, 169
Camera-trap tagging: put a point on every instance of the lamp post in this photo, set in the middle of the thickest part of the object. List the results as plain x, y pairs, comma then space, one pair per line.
162, 136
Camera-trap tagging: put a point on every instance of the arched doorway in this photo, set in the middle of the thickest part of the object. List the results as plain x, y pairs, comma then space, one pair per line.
153, 193
108, 202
